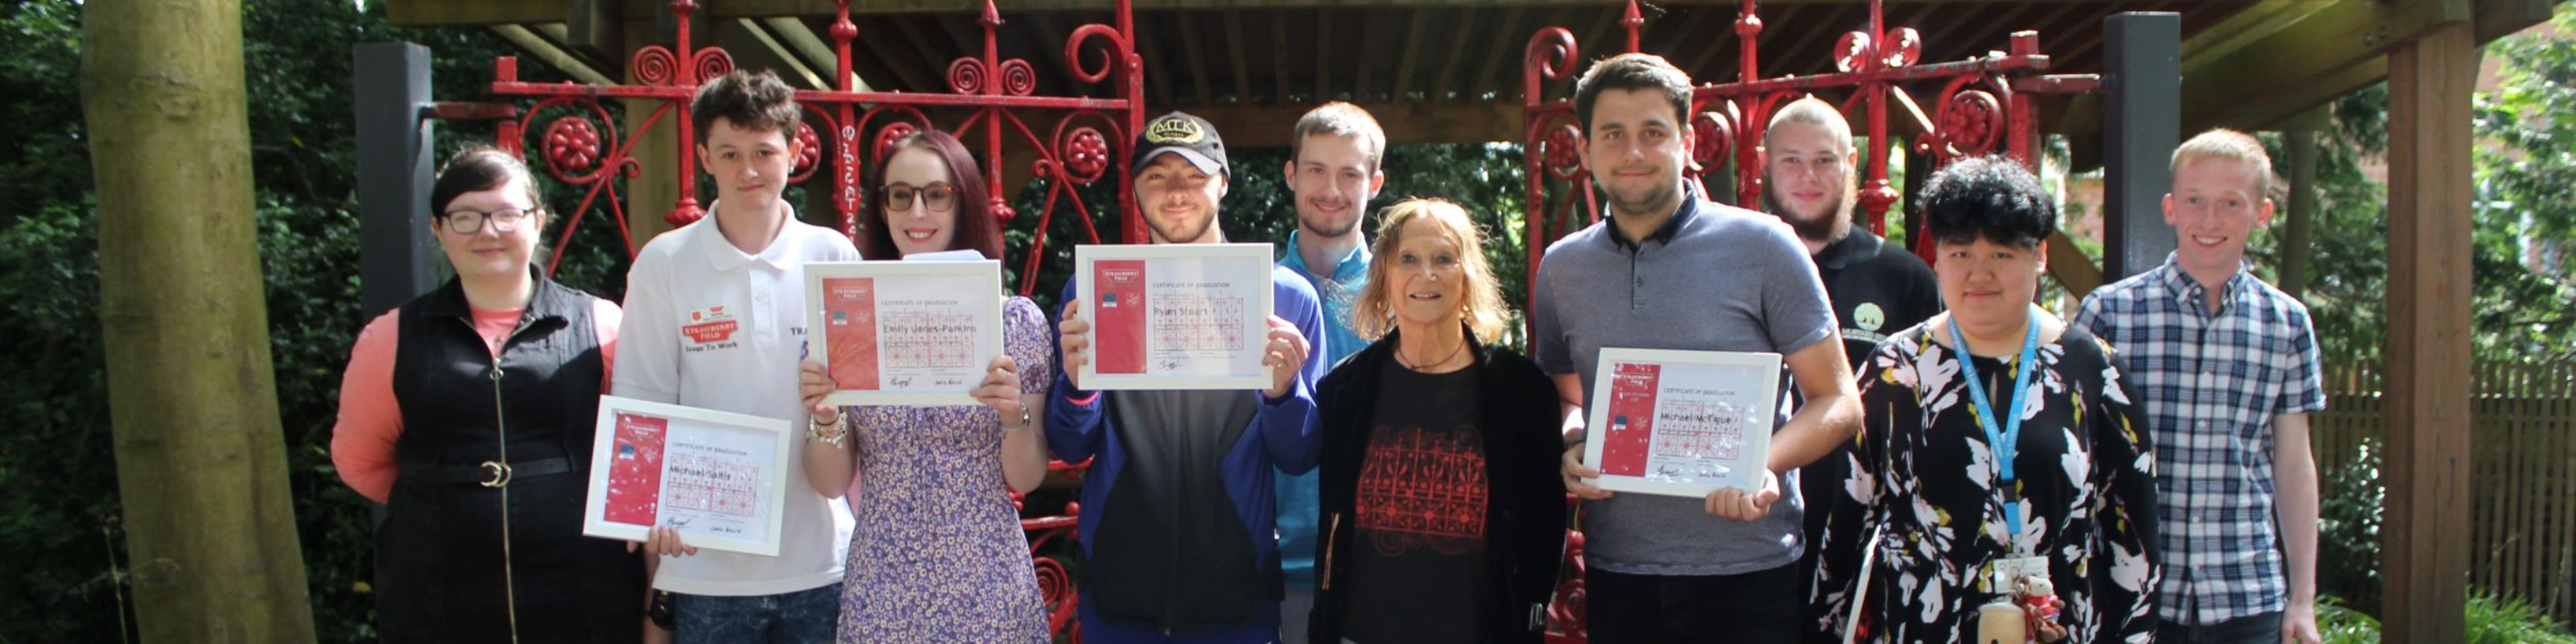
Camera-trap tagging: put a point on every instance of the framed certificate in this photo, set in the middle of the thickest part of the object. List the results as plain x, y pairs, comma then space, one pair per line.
1681, 423
904, 332
1175, 316
720, 478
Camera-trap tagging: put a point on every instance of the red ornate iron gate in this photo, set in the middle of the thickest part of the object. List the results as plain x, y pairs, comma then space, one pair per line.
1983, 102
991, 101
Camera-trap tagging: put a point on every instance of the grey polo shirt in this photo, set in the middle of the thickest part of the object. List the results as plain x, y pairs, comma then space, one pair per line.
1713, 278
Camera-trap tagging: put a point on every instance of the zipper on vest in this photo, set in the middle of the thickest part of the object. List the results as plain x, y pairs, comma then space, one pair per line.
501, 428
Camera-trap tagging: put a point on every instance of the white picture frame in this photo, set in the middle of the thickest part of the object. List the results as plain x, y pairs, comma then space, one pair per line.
1681, 423
1223, 294
719, 477
904, 332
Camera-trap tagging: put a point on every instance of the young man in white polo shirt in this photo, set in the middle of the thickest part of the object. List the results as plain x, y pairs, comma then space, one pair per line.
716, 320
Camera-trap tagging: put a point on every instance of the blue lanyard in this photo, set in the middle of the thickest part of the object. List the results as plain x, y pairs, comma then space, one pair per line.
2005, 440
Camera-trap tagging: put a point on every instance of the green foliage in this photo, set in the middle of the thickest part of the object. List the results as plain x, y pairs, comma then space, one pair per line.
2526, 201
2339, 625
2348, 521
2523, 214
2506, 619
62, 516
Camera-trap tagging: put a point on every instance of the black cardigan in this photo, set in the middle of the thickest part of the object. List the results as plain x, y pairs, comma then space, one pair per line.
1525, 517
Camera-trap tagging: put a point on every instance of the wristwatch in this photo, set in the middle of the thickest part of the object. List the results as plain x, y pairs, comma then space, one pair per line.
814, 430
1024, 421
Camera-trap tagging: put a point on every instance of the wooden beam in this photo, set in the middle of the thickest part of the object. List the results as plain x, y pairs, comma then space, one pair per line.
1457, 58
775, 51
2500, 18
1323, 56
928, 57
2425, 539
1511, 32
1234, 47
1279, 55
2299, 210
1052, 35
1687, 31
1249, 126
1158, 68
810, 48
1720, 46
2246, 27
1192, 52
2325, 45
1368, 58
908, 64
2073, 270
590, 30
1596, 40
1771, 61
1405, 64
432, 13
538, 48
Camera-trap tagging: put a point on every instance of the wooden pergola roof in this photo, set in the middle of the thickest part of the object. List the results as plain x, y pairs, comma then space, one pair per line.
1450, 70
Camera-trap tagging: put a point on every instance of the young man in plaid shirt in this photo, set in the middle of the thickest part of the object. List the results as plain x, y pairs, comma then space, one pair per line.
2227, 365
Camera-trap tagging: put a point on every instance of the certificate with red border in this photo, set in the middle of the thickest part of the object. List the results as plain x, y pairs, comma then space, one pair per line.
904, 332
1174, 316
718, 477
1681, 423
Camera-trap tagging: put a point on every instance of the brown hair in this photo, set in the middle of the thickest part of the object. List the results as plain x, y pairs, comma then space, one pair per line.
755, 101
1633, 71
975, 228
2228, 145
1339, 118
477, 169
1484, 314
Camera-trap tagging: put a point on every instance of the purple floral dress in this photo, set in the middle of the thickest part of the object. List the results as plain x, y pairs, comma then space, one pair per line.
938, 555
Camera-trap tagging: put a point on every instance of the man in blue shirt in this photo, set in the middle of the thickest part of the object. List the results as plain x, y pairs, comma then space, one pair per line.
1167, 557
1333, 171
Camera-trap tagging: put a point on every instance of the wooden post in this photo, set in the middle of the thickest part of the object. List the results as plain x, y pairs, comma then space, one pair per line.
2299, 212
2425, 540
200, 456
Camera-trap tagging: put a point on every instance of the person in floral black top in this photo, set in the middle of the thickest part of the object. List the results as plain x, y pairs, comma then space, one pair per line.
1929, 490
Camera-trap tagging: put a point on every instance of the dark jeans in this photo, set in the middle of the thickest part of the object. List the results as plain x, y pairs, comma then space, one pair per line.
2250, 629
1751, 608
801, 617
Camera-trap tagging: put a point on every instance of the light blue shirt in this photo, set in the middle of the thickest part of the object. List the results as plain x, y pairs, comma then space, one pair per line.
1300, 502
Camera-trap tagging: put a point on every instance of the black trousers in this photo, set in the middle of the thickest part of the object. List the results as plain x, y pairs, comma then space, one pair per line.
1758, 607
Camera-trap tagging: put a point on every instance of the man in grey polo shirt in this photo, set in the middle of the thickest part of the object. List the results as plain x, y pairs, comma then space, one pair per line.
1667, 270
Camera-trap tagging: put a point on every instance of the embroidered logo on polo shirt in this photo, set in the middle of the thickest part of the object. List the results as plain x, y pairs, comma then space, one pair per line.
710, 325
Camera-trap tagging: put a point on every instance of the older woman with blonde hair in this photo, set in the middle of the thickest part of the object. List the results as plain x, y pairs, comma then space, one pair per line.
1443, 516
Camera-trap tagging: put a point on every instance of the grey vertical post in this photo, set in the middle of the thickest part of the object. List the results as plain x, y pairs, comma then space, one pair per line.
2142, 65
396, 257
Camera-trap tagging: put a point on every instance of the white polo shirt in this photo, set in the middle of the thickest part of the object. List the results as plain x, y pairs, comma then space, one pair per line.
709, 326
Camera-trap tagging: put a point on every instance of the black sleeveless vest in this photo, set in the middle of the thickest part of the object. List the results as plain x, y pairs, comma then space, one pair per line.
459, 559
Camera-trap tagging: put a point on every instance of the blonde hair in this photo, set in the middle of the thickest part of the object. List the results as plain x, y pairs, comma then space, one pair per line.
2223, 144
1484, 314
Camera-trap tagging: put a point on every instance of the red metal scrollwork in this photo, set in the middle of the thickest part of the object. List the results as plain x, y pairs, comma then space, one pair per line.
989, 106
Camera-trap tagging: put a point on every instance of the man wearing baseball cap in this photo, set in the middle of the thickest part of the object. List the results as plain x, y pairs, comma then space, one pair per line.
1177, 510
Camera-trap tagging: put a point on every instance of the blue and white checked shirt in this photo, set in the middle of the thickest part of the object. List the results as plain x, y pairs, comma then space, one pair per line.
2211, 384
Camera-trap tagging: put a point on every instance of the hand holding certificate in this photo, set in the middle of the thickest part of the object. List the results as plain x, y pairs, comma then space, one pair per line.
1188, 316
717, 478
904, 332
1685, 423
